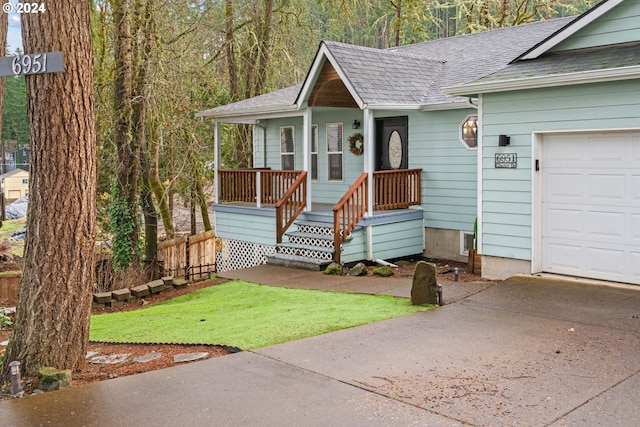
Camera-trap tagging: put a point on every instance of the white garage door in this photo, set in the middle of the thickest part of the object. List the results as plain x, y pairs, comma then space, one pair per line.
591, 205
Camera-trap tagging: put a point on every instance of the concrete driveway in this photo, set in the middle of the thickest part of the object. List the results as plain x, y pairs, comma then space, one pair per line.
527, 351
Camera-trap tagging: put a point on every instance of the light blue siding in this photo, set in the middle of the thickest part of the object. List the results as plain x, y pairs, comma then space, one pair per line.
449, 177
355, 249
507, 192
246, 224
619, 25
386, 239
449, 171
323, 191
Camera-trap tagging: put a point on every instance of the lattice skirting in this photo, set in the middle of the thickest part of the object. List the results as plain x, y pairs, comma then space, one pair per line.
238, 254
306, 252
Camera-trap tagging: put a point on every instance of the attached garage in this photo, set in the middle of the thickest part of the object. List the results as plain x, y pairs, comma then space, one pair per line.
589, 195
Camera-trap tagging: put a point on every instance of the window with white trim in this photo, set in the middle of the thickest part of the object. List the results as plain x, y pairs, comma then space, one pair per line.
334, 151
469, 131
287, 144
314, 152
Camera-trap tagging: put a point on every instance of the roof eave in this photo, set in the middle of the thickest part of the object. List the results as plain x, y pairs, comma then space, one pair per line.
450, 105
567, 31
584, 77
253, 113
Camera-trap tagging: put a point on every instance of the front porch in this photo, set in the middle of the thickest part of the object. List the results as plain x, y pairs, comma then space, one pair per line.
258, 208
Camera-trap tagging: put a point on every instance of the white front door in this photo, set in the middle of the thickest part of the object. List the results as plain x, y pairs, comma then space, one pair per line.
591, 205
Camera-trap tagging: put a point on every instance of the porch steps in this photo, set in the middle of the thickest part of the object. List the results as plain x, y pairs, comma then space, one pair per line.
297, 261
309, 246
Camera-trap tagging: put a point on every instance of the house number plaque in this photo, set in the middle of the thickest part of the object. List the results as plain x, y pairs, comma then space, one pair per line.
37, 63
506, 161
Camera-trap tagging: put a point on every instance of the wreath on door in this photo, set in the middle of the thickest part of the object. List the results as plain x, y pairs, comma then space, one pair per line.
356, 144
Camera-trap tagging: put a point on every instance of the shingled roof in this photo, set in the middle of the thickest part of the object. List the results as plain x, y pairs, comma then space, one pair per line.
386, 77
412, 75
608, 57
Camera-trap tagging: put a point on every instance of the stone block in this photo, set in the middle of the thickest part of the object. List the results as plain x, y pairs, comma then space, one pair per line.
114, 303
180, 283
359, 270
383, 271
140, 291
334, 269
121, 294
96, 305
102, 297
168, 280
424, 289
50, 379
156, 286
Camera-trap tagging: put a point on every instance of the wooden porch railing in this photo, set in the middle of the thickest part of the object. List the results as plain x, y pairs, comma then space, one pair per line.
244, 185
348, 211
290, 205
396, 189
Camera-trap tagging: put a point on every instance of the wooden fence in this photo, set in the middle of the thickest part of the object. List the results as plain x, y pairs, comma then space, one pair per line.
189, 256
9, 287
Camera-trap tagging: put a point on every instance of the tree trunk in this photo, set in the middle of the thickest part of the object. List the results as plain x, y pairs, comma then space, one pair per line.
143, 61
159, 191
52, 318
127, 150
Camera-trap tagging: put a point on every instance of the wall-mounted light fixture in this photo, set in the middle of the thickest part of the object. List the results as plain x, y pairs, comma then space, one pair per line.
504, 140
356, 124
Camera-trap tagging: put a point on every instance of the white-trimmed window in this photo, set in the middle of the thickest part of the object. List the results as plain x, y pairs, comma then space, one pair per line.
287, 144
314, 152
466, 242
469, 131
334, 151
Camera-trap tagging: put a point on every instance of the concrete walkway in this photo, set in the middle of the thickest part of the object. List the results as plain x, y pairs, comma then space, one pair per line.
527, 351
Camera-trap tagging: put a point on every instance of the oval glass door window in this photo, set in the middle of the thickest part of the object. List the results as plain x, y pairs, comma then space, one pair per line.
395, 150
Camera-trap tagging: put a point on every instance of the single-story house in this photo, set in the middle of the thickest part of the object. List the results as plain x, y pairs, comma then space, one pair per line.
15, 184
529, 135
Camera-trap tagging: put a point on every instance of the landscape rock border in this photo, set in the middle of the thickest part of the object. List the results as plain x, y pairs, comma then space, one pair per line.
119, 297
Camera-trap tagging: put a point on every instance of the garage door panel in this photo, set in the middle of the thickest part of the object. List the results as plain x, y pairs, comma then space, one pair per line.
605, 225
591, 205
567, 152
564, 187
634, 262
634, 228
635, 187
564, 222
563, 258
607, 261
606, 187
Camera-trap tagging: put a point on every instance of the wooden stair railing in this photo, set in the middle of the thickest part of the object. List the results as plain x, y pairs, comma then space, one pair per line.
347, 212
290, 205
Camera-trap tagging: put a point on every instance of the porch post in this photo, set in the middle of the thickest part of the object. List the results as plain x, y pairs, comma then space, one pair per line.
369, 132
216, 161
306, 152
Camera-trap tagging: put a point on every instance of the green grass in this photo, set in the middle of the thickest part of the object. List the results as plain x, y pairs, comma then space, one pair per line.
9, 227
247, 316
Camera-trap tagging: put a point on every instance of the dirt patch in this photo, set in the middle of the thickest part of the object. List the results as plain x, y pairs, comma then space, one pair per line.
446, 269
91, 372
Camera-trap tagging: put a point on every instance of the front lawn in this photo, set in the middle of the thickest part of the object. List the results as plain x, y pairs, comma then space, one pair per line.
247, 316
